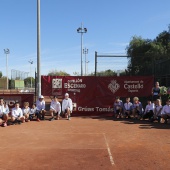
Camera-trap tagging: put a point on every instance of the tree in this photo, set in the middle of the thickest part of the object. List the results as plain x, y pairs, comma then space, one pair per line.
144, 52
27, 82
0, 74
104, 73
58, 73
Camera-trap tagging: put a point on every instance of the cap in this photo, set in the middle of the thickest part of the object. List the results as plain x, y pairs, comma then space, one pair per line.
41, 97
66, 94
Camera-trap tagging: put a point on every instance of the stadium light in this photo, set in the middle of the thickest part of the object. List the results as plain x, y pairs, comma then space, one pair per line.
7, 51
81, 30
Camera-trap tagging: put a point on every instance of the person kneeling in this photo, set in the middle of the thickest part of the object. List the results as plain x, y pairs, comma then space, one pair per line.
17, 114
67, 106
55, 107
149, 110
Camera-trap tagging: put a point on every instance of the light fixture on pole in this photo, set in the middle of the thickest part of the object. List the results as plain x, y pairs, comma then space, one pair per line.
31, 62
85, 52
6, 51
82, 30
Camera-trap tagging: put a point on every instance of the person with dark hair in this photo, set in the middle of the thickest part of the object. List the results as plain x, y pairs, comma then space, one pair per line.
55, 107
17, 114
149, 110
118, 108
156, 92
166, 111
4, 111
127, 106
157, 111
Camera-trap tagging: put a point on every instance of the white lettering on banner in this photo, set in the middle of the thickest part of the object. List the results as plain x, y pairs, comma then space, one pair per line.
98, 109
113, 86
72, 86
133, 86
86, 109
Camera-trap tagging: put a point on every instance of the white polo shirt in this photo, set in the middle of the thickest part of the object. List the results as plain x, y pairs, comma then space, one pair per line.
67, 103
17, 112
55, 105
166, 109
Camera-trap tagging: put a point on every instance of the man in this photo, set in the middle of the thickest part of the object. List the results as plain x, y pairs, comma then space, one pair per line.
55, 107
40, 113
4, 110
67, 106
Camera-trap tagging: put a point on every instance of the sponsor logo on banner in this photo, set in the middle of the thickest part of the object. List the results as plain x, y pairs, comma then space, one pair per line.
133, 86
57, 83
113, 86
57, 87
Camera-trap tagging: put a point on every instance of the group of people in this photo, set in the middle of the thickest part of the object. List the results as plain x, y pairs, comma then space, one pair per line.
153, 110
36, 111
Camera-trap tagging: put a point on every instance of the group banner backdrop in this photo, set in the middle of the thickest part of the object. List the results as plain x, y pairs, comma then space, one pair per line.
96, 94
11, 99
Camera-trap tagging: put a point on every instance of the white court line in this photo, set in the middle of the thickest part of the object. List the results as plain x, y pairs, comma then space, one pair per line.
109, 152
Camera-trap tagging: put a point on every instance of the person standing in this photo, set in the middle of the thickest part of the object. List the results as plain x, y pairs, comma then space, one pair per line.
67, 106
156, 92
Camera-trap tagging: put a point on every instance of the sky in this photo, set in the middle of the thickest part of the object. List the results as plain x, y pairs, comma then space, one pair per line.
110, 24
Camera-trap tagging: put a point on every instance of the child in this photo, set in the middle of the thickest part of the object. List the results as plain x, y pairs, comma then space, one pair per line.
32, 111
165, 114
26, 111
17, 114
149, 110
40, 103
136, 108
157, 111
55, 107
118, 107
127, 107
67, 106
4, 110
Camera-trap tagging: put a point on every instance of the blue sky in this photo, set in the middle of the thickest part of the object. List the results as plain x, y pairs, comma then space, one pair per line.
110, 24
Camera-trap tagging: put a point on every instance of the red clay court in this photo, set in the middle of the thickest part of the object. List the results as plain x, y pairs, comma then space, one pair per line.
85, 143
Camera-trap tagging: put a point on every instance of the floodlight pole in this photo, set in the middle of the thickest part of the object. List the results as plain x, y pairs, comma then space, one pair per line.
31, 62
6, 51
81, 30
85, 52
38, 49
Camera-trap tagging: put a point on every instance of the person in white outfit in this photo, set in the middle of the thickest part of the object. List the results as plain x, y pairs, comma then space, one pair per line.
4, 111
17, 114
165, 114
26, 111
67, 106
149, 110
40, 104
55, 107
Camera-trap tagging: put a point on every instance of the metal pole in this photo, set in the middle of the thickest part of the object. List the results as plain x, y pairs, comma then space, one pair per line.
38, 49
7, 51
81, 50
95, 63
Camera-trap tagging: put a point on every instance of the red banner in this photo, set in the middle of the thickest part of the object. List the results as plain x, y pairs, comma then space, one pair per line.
96, 94
10, 99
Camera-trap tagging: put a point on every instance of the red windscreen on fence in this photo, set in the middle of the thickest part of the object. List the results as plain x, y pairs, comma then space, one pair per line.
96, 94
